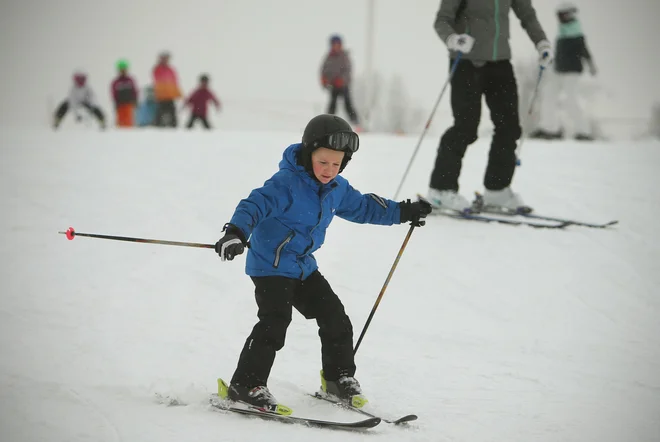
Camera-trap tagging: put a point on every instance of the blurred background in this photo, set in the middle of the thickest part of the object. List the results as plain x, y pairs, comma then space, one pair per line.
263, 59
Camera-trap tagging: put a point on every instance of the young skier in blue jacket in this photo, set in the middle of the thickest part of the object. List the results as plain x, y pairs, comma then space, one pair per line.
285, 221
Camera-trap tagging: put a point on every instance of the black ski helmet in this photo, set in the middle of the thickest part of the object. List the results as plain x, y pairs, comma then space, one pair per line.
329, 131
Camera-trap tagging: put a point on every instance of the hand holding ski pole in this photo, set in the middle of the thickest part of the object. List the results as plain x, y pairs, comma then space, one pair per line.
545, 53
232, 244
414, 212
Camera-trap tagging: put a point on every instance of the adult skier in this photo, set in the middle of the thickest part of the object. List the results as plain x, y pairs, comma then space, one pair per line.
571, 53
479, 30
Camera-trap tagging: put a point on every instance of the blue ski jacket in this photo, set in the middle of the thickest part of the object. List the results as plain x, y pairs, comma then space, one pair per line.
287, 217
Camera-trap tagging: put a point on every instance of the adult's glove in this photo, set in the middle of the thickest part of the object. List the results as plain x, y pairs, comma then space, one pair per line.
460, 42
414, 212
545, 53
232, 244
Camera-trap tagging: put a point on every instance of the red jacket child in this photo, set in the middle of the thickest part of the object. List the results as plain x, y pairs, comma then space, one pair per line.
198, 100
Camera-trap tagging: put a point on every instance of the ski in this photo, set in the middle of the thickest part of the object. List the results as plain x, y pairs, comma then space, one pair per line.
346, 406
290, 419
570, 222
508, 221
473, 216
526, 212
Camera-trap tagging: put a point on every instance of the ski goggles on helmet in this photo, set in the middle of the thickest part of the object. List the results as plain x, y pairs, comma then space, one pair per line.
342, 141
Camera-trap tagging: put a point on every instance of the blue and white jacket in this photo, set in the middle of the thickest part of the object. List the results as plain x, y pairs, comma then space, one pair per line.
287, 217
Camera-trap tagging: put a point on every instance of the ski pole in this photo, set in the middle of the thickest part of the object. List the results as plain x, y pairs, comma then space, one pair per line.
428, 122
71, 234
382, 291
529, 112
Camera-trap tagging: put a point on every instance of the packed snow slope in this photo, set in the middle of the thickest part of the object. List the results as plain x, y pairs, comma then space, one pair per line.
487, 332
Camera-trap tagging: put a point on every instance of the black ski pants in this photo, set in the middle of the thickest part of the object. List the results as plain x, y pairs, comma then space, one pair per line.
201, 118
166, 114
63, 108
496, 81
345, 93
314, 299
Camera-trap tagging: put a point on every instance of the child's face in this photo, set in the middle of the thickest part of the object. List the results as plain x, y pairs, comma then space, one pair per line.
326, 163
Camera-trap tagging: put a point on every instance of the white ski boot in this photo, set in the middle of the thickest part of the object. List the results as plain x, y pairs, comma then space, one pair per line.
448, 201
503, 201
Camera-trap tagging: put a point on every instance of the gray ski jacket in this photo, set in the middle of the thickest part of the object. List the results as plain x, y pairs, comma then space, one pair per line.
488, 22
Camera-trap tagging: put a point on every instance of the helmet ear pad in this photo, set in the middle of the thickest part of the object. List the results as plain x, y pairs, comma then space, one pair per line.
344, 162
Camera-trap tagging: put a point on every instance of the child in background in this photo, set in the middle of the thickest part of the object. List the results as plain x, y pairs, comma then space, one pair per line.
198, 102
80, 95
146, 113
124, 95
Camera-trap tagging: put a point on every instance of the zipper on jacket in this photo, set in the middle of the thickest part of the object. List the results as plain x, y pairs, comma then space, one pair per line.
311, 232
278, 251
497, 28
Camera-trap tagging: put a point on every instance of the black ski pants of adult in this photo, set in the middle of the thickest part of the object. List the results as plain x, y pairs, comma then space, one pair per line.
314, 298
496, 81
166, 114
345, 93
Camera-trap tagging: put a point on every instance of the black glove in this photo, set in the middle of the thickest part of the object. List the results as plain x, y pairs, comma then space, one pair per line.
414, 212
232, 244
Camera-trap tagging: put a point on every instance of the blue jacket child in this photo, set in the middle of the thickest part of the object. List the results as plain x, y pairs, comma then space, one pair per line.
285, 221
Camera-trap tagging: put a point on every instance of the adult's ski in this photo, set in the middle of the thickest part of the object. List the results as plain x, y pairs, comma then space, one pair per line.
526, 212
346, 406
570, 221
470, 215
548, 224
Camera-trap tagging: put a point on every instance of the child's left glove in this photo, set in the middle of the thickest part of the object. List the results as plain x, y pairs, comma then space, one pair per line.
232, 244
414, 212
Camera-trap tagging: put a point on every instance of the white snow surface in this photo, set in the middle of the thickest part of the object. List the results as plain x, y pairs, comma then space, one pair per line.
487, 332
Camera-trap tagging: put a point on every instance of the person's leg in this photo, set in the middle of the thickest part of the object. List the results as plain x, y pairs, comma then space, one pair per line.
466, 91
350, 110
274, 295
317, 300
574, 109
332, 105
61, 111
501, 94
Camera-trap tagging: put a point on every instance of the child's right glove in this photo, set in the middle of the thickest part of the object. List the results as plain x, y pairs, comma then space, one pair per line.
232, 244
414, 212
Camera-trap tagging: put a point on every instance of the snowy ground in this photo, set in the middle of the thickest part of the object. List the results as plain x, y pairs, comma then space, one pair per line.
487, 332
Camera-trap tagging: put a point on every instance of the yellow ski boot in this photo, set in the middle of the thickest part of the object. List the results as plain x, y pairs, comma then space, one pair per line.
258, 397
346, 389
